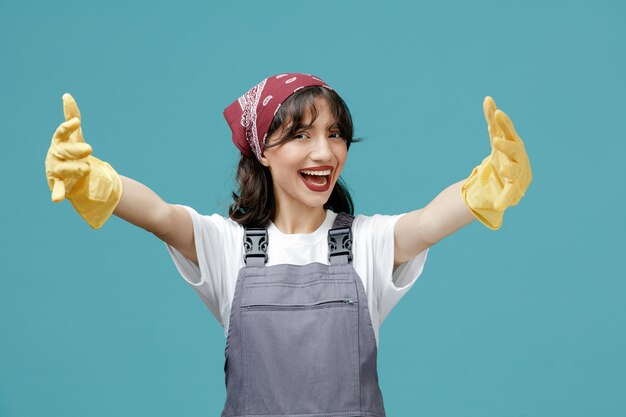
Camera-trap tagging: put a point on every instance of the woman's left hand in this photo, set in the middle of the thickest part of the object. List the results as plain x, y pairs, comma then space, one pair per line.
508, 156
502, 178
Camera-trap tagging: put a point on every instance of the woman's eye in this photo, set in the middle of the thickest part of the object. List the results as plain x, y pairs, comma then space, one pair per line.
299, 136
336, 135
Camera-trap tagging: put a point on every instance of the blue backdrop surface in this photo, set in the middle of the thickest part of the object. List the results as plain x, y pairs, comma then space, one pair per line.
525, 321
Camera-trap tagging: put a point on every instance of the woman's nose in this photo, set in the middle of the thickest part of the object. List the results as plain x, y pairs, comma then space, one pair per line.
321, 149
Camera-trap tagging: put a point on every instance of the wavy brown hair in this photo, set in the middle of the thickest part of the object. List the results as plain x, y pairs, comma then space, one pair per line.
254, 204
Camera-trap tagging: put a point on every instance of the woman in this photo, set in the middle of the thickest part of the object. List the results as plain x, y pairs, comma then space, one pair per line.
300, 285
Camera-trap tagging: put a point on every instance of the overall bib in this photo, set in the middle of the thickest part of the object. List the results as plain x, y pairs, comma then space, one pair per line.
300, 341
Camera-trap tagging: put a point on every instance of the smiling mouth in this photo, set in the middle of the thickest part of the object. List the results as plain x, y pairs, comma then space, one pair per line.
319, 180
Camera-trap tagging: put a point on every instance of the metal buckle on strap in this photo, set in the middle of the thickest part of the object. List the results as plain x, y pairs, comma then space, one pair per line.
255, 244
340, 242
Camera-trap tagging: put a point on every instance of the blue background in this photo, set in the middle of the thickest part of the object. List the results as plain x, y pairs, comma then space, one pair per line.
525, 321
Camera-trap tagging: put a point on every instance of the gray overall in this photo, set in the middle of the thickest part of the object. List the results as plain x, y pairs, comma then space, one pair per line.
300, 341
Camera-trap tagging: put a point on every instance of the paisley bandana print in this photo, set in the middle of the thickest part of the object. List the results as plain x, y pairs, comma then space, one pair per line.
250, 116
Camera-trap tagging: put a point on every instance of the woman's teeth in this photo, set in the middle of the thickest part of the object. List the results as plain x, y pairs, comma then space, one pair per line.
316, 177
327, 172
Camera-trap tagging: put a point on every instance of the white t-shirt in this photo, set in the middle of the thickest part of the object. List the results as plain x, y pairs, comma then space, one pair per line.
219, 247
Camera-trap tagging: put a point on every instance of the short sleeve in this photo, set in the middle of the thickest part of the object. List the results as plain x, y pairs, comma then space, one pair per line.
216, 239
376, 240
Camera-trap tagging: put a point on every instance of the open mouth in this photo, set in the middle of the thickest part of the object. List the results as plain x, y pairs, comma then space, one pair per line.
316, 180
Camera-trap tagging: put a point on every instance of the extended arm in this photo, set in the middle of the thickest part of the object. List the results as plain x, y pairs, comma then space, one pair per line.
500, 181
420, 229
172, 224
96, 190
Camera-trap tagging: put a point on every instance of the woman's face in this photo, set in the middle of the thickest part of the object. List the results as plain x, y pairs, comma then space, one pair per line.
318, 148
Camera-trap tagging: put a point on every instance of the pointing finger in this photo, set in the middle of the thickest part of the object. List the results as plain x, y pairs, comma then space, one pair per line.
70, 108
64, 130
68, 151
489, 108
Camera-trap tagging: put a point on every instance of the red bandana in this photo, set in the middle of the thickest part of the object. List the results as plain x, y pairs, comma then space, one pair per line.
250, 116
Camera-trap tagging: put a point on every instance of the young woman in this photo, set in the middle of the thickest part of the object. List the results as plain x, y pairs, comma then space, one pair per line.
299, 283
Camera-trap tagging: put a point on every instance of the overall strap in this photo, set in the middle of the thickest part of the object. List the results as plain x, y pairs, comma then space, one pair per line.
340, 240
255, 246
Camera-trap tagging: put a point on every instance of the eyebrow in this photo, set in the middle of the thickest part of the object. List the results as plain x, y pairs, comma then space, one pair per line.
331, 126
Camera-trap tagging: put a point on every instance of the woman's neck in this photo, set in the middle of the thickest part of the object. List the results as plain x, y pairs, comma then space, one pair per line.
303, 220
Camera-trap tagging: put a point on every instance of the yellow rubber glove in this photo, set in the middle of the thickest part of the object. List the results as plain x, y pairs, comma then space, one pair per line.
502, 178
92, 186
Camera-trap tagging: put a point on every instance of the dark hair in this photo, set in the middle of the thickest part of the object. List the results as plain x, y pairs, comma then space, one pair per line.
254, 206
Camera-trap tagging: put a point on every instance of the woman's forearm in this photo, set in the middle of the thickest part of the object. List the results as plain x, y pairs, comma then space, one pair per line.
420, 229
141, 206
446, 213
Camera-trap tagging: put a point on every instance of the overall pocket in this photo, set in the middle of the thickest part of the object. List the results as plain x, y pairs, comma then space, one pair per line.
301, 358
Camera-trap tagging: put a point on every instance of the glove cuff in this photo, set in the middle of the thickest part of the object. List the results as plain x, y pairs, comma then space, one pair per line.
97, 194
479, 192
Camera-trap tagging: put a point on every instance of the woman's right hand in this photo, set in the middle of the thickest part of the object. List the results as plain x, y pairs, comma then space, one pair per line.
66, 161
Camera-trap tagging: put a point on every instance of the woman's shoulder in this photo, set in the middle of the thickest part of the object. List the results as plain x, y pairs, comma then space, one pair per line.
374, 220
213, 220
